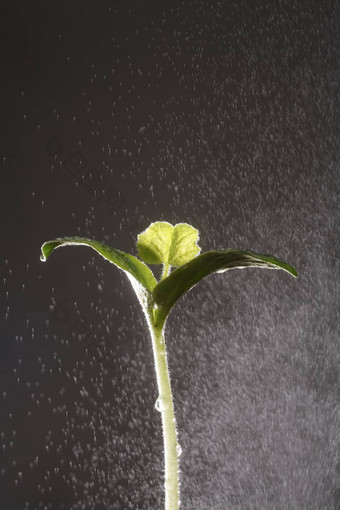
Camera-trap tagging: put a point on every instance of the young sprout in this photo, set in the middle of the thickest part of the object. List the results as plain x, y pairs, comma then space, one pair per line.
173, 247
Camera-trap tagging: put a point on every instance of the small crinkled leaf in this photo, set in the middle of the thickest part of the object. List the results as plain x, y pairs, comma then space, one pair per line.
124, 261
184, 244
163, 243
168, 291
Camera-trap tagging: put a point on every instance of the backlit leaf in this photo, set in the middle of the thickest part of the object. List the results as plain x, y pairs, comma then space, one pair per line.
163, 243
180, 281
124, 261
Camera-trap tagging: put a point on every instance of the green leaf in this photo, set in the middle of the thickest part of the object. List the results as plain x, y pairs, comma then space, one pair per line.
125, 261
163, 243
168, 291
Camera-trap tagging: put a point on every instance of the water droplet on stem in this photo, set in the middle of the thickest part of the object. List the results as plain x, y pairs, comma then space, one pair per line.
160, 404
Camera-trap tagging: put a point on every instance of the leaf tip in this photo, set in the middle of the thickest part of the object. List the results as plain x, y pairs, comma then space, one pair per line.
294, 272
43, 257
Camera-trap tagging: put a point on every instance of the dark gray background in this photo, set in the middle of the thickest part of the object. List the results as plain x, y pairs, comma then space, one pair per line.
222, 114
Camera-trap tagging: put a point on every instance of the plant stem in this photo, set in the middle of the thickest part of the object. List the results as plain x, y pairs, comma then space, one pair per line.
165, 273
166, 407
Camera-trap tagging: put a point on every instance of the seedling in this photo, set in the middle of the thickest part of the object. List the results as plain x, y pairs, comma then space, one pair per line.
173, 247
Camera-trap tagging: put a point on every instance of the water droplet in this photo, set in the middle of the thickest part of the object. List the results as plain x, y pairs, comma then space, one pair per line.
179, 450
160, 405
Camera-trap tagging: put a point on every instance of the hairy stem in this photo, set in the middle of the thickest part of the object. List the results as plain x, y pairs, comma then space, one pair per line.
166, 408
165, 272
